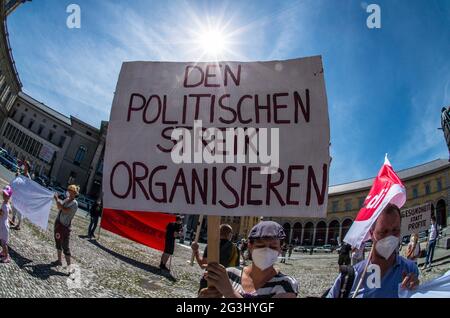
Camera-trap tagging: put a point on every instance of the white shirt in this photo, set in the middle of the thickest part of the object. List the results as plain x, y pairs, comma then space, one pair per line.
433, 232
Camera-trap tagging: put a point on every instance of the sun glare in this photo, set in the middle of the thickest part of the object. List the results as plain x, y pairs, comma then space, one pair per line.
212, 42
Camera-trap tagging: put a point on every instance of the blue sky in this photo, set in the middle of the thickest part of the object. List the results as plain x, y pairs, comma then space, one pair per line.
385, 86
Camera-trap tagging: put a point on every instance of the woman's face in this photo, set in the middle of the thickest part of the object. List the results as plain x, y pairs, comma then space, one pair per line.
5, 197
262, 243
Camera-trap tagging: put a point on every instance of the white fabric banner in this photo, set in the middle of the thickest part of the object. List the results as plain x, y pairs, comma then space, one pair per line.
176, 139
436, 288
32, 200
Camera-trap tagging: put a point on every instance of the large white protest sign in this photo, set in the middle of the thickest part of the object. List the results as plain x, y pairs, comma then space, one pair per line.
416, 219
32, 200
226, 138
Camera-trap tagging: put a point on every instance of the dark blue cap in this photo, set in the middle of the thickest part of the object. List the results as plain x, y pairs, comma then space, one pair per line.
267, 229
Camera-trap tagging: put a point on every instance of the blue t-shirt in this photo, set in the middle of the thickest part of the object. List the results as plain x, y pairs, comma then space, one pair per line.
389, 282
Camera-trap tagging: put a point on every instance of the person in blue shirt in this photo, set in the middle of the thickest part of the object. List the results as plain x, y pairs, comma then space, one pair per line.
395, 270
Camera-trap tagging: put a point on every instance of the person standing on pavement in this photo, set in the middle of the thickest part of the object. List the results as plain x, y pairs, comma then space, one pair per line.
290, 248
173, 230
431, 243
16, 214
62, 229
95, 211
344, 254
228, 252
4, 225
283, 252
413, 249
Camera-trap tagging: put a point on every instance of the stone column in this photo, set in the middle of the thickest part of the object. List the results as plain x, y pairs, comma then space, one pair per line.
326, 234
314, 235
291, 231
340, 233
301, 236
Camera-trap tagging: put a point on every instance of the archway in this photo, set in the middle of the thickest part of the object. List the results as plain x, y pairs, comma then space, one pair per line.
287, 231
345, 227
321, 232
441, 213
308, 234
297, 233
333, 232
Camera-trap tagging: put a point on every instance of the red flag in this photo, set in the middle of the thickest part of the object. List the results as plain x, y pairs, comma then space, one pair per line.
387, 188
145, 228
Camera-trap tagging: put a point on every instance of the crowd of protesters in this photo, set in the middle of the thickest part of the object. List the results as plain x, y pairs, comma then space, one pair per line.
234, 276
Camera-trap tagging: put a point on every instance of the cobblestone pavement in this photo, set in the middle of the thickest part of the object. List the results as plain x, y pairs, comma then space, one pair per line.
115, 267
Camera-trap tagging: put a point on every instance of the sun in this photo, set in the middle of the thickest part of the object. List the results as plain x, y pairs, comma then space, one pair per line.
212, 42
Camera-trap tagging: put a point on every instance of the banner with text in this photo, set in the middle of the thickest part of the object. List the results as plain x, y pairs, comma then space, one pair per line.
222, 138
144, 228
416, 219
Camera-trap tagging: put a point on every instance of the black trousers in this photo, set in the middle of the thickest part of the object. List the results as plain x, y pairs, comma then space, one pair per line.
93, 225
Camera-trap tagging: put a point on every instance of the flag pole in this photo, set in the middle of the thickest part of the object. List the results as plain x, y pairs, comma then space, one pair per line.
363, 273
197, 236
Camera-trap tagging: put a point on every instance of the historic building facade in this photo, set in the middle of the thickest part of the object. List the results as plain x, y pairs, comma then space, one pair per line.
425, 183
65, 149
10, 84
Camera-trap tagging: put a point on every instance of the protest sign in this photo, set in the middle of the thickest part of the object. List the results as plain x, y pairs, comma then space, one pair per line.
32, 200
416, 219
225, 138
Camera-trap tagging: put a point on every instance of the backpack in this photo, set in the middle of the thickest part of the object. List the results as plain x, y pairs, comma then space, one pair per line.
347, 274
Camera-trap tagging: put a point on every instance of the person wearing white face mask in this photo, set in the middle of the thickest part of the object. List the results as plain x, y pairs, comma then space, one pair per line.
260, 279
395, 270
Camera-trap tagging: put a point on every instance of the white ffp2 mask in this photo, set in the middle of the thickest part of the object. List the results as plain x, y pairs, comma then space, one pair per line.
385, 247
264, 257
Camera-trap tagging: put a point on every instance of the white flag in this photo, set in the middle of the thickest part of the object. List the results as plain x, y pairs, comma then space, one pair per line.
436, 288
32, 200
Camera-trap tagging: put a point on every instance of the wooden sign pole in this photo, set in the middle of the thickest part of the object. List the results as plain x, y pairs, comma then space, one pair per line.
213, 238
197, 235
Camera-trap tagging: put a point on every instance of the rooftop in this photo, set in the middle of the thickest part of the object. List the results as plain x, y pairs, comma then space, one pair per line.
404, 175
45, 108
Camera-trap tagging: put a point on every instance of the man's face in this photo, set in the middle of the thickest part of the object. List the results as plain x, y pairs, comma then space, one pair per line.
387, 224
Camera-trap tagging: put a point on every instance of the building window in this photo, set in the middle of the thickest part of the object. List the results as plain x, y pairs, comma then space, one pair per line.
50, 135
62, 139
7, 97
361, 201
13, 113
81, 153
348, 205
415, 193
41, 128
439, 184
427, 188
335, 206
88, 133
22, 117
30, 124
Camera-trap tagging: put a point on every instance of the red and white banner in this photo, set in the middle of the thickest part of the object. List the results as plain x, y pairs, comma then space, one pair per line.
387, 188
148, 229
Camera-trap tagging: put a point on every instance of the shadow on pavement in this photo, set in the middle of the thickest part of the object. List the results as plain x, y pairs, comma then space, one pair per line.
41, 271
146, 267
